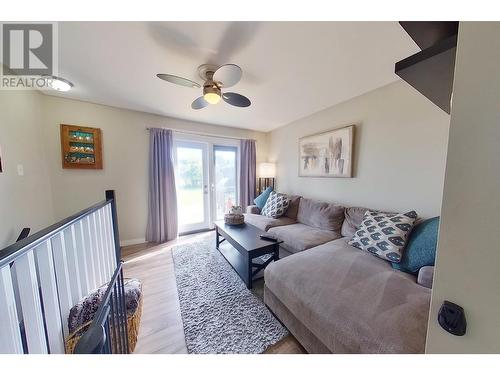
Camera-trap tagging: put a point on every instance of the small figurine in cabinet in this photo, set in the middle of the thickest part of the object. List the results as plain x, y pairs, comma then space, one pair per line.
81, 147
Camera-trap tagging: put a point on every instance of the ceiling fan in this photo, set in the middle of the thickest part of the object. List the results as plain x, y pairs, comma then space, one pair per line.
215, 79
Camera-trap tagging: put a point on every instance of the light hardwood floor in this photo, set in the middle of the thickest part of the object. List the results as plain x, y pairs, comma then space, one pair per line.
161, 329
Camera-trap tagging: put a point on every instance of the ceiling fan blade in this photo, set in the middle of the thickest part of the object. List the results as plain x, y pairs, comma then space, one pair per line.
199, 103
236, 99
229, 75
178, 80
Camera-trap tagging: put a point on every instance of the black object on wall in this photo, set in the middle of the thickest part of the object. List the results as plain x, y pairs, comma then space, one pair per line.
428, 33
24, 233
431, 70
451, 318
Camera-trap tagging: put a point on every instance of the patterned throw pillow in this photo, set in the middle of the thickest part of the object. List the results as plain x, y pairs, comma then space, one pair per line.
276, 205
384, 235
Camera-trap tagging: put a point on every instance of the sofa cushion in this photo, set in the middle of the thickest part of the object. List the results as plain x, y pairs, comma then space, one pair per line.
293, 206
253, 209
351, 301
384, 235
264, 222
421, 248
261, 200
299, 237
276, 205
322, 215
352, 221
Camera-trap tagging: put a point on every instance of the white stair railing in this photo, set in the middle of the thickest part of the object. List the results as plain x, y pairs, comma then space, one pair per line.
44, 275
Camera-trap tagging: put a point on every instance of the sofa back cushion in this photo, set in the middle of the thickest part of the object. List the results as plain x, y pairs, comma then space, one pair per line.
353, 218
293, 207
320, 214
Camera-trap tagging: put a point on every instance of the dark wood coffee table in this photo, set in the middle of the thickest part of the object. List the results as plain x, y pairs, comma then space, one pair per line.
246, 247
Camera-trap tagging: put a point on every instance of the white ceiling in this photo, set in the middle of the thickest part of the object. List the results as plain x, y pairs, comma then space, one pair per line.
290, 69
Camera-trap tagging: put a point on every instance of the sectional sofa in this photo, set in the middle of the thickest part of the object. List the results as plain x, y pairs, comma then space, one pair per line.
335, 298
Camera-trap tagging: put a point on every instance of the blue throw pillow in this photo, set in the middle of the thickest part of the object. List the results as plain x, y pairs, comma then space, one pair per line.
421, 247
261, 200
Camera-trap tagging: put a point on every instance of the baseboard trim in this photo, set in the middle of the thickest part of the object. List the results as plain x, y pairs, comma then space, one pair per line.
134, 241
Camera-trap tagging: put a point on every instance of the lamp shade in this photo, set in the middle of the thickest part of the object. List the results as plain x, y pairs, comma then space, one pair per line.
267, 170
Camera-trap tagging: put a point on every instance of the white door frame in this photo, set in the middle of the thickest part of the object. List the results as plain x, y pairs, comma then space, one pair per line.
210, 142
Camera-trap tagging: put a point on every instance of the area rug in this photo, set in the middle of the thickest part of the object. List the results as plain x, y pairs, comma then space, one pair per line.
220, 315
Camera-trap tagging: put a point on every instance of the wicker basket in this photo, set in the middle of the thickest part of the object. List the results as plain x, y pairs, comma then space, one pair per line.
234, 219
133, 322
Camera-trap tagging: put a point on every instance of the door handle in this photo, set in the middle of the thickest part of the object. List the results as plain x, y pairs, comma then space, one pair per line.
205, 189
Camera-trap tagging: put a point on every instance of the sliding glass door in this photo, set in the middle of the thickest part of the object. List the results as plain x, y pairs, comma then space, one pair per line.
226, 184
206, 178
191, 179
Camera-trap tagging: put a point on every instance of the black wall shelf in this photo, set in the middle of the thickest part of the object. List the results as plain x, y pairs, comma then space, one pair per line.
431, 70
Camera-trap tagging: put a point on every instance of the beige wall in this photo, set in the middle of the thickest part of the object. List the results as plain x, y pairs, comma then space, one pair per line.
399, 152
468, 254
125, 153
25, 201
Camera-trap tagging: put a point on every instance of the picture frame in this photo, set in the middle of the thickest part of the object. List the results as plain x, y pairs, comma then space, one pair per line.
81, 147
327, 154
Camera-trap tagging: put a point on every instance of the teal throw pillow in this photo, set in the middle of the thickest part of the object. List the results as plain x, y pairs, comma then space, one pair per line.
261, 200
421, 247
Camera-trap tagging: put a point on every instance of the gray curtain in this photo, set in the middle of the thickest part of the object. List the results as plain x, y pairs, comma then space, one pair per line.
162, 217
247, 172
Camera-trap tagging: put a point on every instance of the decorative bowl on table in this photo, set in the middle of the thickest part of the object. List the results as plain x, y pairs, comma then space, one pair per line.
235, 216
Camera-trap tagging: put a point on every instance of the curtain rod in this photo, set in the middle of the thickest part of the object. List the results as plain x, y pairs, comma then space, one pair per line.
203, 134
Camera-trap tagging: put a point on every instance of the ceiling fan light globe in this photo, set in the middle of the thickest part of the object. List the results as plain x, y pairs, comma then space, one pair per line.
212, 97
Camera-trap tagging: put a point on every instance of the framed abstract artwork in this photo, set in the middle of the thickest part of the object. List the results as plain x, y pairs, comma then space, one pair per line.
327, 154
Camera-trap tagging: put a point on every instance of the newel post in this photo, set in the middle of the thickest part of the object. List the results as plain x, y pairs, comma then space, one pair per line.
110, 196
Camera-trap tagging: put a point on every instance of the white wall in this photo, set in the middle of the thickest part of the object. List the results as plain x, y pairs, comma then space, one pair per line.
125, 156
399, 152
468, 254
25, 201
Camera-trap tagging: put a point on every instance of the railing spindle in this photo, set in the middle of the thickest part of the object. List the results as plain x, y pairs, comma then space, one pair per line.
110, 250
81, 256
10, 336
102, 248
97, 250
110, 267
62, 277
115, 334
73, 266
108, 349
111, 239
124, 309
30, 303
48, 286
90, 251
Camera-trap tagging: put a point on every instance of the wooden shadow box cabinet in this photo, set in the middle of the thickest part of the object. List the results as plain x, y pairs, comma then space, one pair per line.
81, 147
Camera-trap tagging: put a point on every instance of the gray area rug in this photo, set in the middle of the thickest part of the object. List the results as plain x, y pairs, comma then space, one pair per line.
219, 313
